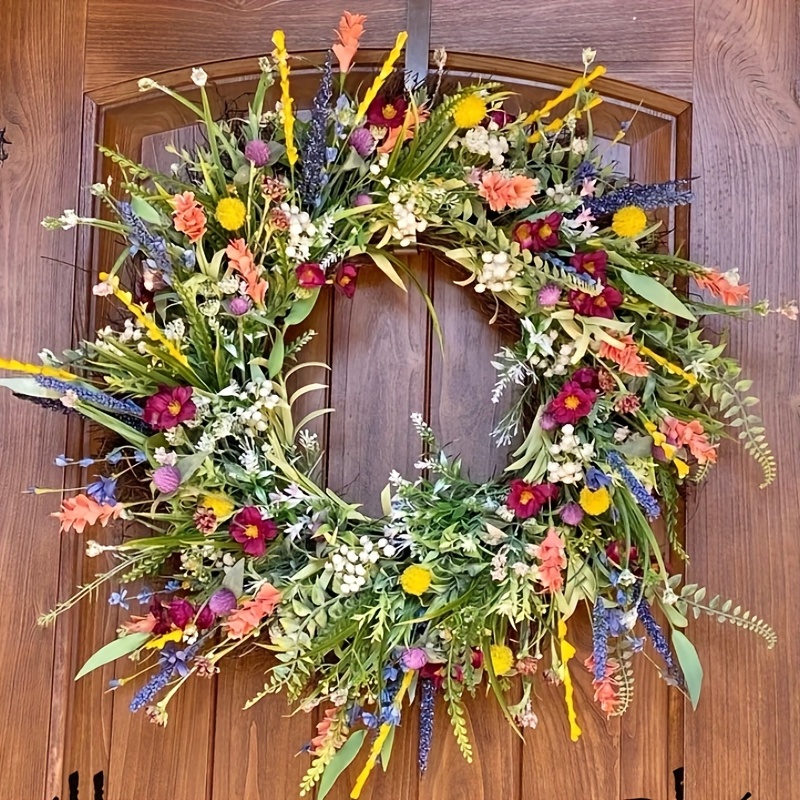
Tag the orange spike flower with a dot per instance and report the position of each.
(724, 286)
(79, 511)
(507, 191)
(241, 260)
(248, 616)
(627, 357)
(351, 27)
(188, 217)
(692, 435)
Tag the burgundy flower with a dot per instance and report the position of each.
(572, 403)
(627, 404)
(205, 619)
(362, 141)
(385, 113)
(586, 377)
(252, 531)
(477, 655)
(168, 407)
(526, 499)
(310, 275)
(345, 280)
(161, 614)
(222, 602)
(181, 612)
(614, 552)
(538, 234)
(593, 264)
(500, 117)
(433, 672)
(601, 305)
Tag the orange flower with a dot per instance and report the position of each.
(551, 555)
(627, 358)
(323, 730)
(188, 217)
(249, 615)
(605, 690)
(79, 511)
(140, 624)
(692, 435)
(408, 129)
(507, 191)
(725, 286)
(241, 260)
(351, 26)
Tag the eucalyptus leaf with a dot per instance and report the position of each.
(112, 651)
(276, 356)
(145, 211)
(340, 762)
(690, 665)
(656, 293)
(234, 579)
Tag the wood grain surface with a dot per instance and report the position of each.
(738, 62)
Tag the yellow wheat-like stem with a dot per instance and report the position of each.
(36, 369)
(567, 652)
(577, 85)
(282, 57)
(386, 71)
(668, 365)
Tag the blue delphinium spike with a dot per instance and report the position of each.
(659, 641)
(426, 708)
(599, 639)
(648, 503)
(648, 196)
(314, 150)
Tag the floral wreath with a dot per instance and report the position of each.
(618, 399)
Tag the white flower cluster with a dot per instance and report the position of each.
(230, 284)
(569, 457)
(483, 142)
(199, 560)
(561, 194)
(174, 330)
(406, 224)
(561, 362)
(303, 233)
(264, 400)
(352, 564)
(497, 273)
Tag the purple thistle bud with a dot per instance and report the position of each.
(222, 602)
(167, 479)
(572, 514)
(427, 705)
(362, 141)
(240, 305)
(549, 295)
(257, 151)
(362, 200)
(599, 639)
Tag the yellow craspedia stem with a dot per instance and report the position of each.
(231, 213)
(469, 111)
(595, 503)
(567, 652)
(287, 114)
(153, 331)
(36, 369)
(668, 365)
(377, 745)
(502, 659)
(386, 71)
(416, 580)
(577, 85)
(629, 222)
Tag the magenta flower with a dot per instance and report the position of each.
(181, 612)
(310, 275)
(593, 264)
(205, 619)
(345, 280)
(167, 479)
(362, 141)
(500, 117)
(571, 514)
(549, 296)
(239, 305)
(362, 200)
(539, 234)
(527, 500)
(252, 531)
(385, 113)
(586, 377)
(601, 305)
(572, 403)
(169, 407)
(414, 658)
(257, 151)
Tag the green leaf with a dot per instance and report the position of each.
(386, 750)
(145, 211)
(385, 266)
(656, 293)
(189, 465)
(234, 579)
(339, 763)
(112, 651)
(276, 356)
(301, 309)
(690, 665)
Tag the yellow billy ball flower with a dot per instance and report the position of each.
(416, 579)
(629, 222)
(502, 659)
(218, 503)
(469, 111)
(231, 213)
(595, 503)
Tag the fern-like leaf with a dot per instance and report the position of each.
(625, 681)
(455, 709)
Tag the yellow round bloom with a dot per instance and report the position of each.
(231, 213)
(629, 222)
(502, 659)
(469, 111)
(218, 503)
(416, 579)
(595, 503)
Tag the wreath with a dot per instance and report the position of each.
(617, 400)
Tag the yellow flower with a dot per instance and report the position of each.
(595, 503)
(218, 503)
(469, 111)
(231, 213)
(629, 222)
(416, 580)
(502, 659)
(159, 642)
(682, 467)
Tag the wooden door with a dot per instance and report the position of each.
(72, 78)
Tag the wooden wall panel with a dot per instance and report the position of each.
(745, 734)
(41, 108)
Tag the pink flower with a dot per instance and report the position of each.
(587, 188)
(539, 234)
(507, 191)
(414, 658)
(552, 558)
(252, 531)
(169, 407)
(572, 403)
(310, 275)
(549, 295)
(527, 500)
(167, 479)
